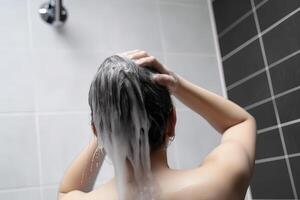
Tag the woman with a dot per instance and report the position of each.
(133, 120)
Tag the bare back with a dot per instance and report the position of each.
(198, 183)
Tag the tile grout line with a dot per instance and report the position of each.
(263, 130)
(240, 19)
(258, 103)
(264, 160)
(290, 122)
(284, 59)
(267, 129)
(274, 25)
(26, 188)
(243, 80)
(294, 155)
(61, 112)
(273, 99)
(217, 48)
(287, 91)
(274, 64)
(234, 24)
(36, 117)
(234, 51)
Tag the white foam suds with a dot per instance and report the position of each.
(124, 133)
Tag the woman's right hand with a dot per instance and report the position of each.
(166, 77)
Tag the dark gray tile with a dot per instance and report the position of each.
(257, 1)
(251, 91)
(295, 165)
(268, 144)
(271, 181)
(286, 75)
(264, 115)
(291, 135)
(228, 11)
(238, 35)
(243, 63)
(283, 39)
(288, 106)
(274, 10)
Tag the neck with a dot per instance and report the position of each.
(158, 163)
(159, 160)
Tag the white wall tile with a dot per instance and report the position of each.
(64, 78)
(137, 25)
(194, 139)
(172, 156)
(200, 70)
(50, 193)
(19, 160)
(16, 81)
(29, 194)
(186, 28)
(62, 139)
(14, 24)
(101, 25)
(88, 26)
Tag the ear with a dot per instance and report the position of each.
(171, 123)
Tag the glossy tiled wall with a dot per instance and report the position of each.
(260, 46)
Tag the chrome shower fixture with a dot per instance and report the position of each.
(53, 12)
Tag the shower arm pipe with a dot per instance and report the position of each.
(58, 5)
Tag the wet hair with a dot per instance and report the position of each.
(110, 90)
(130, 114)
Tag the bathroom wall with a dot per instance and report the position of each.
(45, 75)
(260, 48)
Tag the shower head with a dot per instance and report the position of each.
(53, 12)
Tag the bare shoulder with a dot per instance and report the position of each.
(105, 191)
(210, 182)
(225, 173)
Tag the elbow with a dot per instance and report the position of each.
(248, 118)
(252, 119)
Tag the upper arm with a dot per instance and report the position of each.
(234, 158)
(243, 135)
(73, 195)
